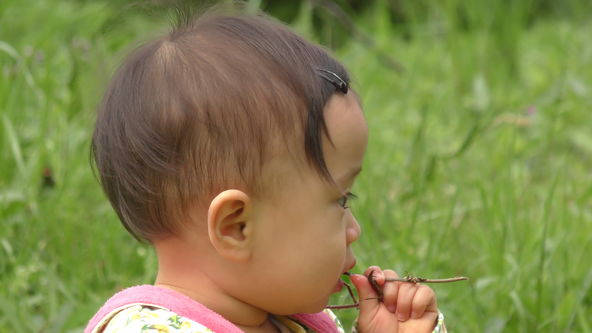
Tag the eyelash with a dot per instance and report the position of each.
(344, 199)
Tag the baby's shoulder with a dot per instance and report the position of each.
(149, 319)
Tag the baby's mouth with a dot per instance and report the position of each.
(349, 267)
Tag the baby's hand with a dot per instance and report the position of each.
(405, 307)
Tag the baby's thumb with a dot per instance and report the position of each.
(369, 299)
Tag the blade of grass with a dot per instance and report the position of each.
(14, 143)
(580, 304)
(547, 206)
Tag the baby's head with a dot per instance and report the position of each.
(236, 136)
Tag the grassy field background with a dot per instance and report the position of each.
(479, 163)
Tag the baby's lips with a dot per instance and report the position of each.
(350, 266)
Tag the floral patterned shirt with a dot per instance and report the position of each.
(151, 319)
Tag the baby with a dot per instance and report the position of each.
(231, 145)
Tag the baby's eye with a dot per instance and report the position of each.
(344, 200)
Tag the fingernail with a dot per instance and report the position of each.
(401, 317)
(392, 308)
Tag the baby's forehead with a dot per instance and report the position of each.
(343, 144)
(348, 136)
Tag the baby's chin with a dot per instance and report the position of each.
(311, 304)
(315, 307)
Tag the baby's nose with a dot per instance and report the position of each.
(353, 230)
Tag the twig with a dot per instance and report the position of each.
(351, 294)
(341, 307)
(415, 279)
(378, 289)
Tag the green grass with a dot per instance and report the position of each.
(479, 163)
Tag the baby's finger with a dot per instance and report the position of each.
(377, 274)
(367, 294)
(404, 300)
(423, 298)
(391, 291)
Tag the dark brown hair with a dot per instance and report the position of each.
(194, 112)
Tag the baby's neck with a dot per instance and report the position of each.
(230, 308)
(179, 273)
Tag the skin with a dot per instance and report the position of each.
(250, 256)
(406, 307)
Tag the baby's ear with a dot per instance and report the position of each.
(229, 225)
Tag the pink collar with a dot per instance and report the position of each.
(189, 308)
